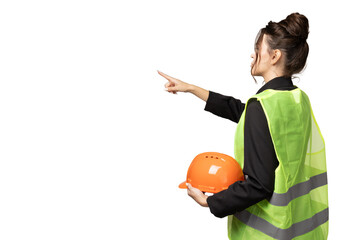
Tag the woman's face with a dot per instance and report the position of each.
(263, 62)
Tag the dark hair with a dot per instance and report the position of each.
(289, 36)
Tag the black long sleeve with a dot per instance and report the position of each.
(260, 159)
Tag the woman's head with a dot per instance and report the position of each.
(281, 48)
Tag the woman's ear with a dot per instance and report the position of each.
(275, 57)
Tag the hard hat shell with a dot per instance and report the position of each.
(213, 172)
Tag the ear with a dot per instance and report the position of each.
(275, 57)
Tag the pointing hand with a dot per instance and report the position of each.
(175, 85)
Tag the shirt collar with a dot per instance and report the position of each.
(277, 83)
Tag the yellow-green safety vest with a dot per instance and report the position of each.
(298, 208)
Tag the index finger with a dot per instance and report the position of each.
(167, 76)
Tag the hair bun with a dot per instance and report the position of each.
(297, 25)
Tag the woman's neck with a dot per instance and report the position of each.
(271, 75)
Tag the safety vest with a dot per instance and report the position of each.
(298, 208)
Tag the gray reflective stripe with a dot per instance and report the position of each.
(295, 230)
(298, 190)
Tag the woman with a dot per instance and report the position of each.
(277, 142)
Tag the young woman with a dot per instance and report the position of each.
(277, 143)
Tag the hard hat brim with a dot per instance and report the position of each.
(183, 185)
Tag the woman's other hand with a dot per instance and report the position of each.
(197, 195)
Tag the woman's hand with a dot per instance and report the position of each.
(197, 195)
(175, 85)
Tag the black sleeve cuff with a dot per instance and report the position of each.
(213, 209)
(224, 106)
(211, 102)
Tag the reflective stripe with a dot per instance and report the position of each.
(295, 230)
(300, 189)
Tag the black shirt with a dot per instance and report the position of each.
(260, 160)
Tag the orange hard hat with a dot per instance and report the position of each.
(213, 172)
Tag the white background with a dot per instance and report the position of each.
(92, 147)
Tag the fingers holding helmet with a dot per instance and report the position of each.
(197, 195)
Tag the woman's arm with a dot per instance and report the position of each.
(220, 105)
(260, 162)
(224, 106)
(199, 92)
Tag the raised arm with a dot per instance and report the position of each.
(220, 105)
